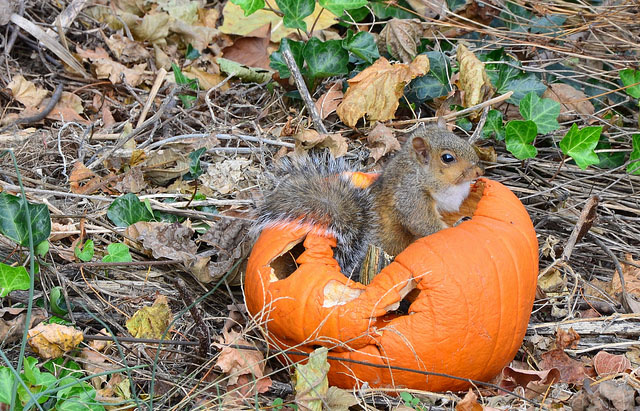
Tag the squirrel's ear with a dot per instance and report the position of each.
(421, 147)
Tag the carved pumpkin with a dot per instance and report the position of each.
(475, 286)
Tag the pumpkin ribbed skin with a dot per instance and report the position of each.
(476, 280)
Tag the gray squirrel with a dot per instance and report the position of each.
(430, 174)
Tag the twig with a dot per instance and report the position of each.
(302, 88)
(478, 131)
(165, 104)
(42, 114)
(221, 137)
(456, 114)
(162, 74)
(629, 305)
(582, 227)
(202, 330)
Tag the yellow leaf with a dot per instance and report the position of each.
(53, 340)
(205, 80)
(311, 381)
(473, 78)
(376, 90)
(26, 92)
(235, 21)
(151, 322)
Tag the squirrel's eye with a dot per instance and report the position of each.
(448, 158)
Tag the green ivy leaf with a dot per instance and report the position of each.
(13, 220)
(494, 127)
(337, 7)
(42, 248)
(434, 84)
(464, 123)
(383, 10)
(86, 254)
(6, 385)
(249, 6)
(547, 24)
(629, 77)
(522, 86)
(295, 11)
(579, 145)
(608, 159)
(325, 58)
(128, 209)
(13, 278)
(191, 53)
(454, 5)
(518, 138)
(362, 44)
(118, 252)
(58, 303)
(277, 62)
(634, 158)
(195, 169)
(542, 111)
(244, 73)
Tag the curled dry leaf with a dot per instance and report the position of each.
(12, 322)
(606, 364)
(375, 91)
(329, 101)
(151, 322)
(381, 141)
(206, 80)
(53, 340)
(127, 50)
(251, 50)
(162, 166)
(307, 139)
(106, 68)
(430, 8)
(631, 276)
(339, 399)
(229, 175)
(469, 402)
(165, 240)
(401, 38)
(571, 371)
(235, 362)
(572, 102)
(534, 382)
(26, 92)
(567, 339)
(474, 81)
(312, 383)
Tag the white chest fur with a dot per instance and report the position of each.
(450, 199)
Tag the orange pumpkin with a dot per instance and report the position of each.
(475, 282)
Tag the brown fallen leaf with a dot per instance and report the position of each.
(12, 322)
(163, 166)
(567, 339)
(340, 400)
(26, 92)
(165, 240)
(127, 50)
(206, 80)
(401, 38)
(606, 364)
(631, 276)
(132, 181)
(96, 363)
(329, 101)
(606, 395)
(571, 371)
(552, 281)
(572, 102)
(235, 362)
(534, 382)
(375, 91)
(469, 402)
(60, 230)
(307, 139)
(381, 141)
(474, 81)
(251, 50)
(429, 8)
(151, 322)
(53, 340)
(68, 108)
(107, 68)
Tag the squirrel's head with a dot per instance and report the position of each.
(450, 159)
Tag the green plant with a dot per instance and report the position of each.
(86, 252)
(181, 79)
(117, 252)
(411, 401)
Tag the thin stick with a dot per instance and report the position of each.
(457, 114)
(627, 302)
(478, 131)
(42, 114)
(302, 88)
(583, 225)
(162, 74)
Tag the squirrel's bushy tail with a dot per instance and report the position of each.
(315, 190)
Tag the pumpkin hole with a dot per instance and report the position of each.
(285, 264)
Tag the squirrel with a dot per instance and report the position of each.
(430, 174)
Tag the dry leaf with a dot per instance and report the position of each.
(12, 322)
(571, 101)
(151, 322)
(376, 90)
(606, 364)
(96, 363)
(228, 175)
(68, 108)
(486, 154)
(473, 77)
(340, 400)
(235, 22)
(567, 339)
(401, 38)
(469, 402)
(60, 231)
(236, 362)
(251, 50)
(571, 371)
(329, 101)
(307, 139)
(206, 80)
(26, 92)
(552, 281)
(165, 240)
(311, 381)
(126, 50)
(534, 382)
(53, 340)
(165, 165)
(631, 276)
(132, 181)
(381, 141)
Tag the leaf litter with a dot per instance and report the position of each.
(199, 231)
